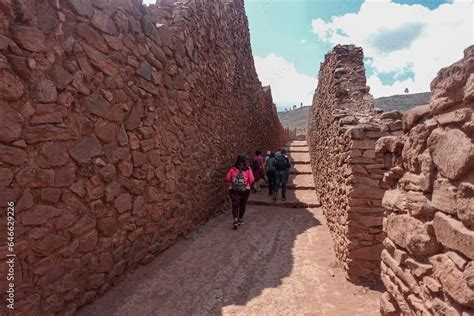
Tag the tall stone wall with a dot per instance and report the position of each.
(342, 129)
(428, 260)
(117, 124)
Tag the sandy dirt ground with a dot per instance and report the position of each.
(279, 262)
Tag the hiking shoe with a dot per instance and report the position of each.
(283, 199)
(235, 225)
(239, 222)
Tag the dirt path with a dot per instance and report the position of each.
(280, 262)
(277, 263)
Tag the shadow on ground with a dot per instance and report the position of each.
(212, 267)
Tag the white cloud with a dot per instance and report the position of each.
(303, 41)
(288, 86)
(398, 37)
(398, 87)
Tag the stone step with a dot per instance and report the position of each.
(299, 182)
(293, 149)
(300, 169)
(296, 146)
(297, 143)
(294, 199)
(299, 158)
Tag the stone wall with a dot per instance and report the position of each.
(117, 123)
(342, 129)
(427, 264)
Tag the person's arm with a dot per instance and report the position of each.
(251, 177)
(228, 177)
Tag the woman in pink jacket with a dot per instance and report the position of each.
(240, 178)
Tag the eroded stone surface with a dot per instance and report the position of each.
(11, 86)
(452, 280)
(112, 138)
(411, 234)
(454, 235)
(429, 203)
(452, 152)
(10, 123)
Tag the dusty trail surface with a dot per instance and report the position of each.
(279, 262)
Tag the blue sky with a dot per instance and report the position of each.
(284, 27)
(405, 41)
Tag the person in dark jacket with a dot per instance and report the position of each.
(270, 170)
(282, 173)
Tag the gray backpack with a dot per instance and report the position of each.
(270, 164)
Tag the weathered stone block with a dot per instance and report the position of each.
(44, 90)
(411, 234)
(363, 144)
(35, 177)
(452, 151)
(11, 86)
(395, 200)
(454, 235)
(413, 116)
(103, 22)
(10, 121)
(30, 38)
(86, 149)
(83, 7)
(452, 280)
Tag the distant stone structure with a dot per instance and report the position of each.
(342, 130)
(428, 261)
(117, 124)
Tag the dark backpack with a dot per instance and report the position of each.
(255, 165)
(282, 163)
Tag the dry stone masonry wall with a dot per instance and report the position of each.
(428, 260)
(343, 127)
(117, 124)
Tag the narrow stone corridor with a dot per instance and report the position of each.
(119, 120)
(300, 185)
(280, 262)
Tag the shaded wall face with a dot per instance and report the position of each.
(427, 264)
(342, 131)
(116, 133)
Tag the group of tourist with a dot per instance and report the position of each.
(274, 168)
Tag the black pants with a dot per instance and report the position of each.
(239, 202)
(271, 181)
(281, 177)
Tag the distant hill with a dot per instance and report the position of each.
(297, 118)
(402, 102)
